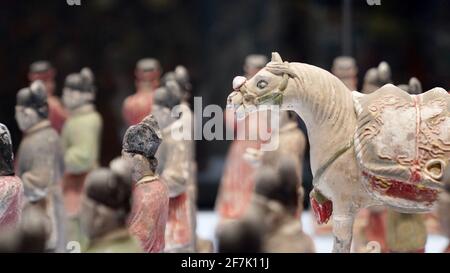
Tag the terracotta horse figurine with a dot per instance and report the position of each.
(386, 148)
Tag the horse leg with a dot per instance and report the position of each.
(343, 232)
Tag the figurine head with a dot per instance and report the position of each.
(6, 152)
(181, 76)
(35, 229)
(148, 73)
(254, 63)
(139, 147)
(106, 203)
(240, 236)
(345, 69)
(31, 105)
(280, 185)
(79, 89)
(376, 77)
(43, 71)
(30, 235)
(169, 95)
(414, 87)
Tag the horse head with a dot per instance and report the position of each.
(270, 86)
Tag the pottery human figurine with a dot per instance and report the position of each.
(376, 77)
(147, 80)
(40, 160)
(278, 203)
(30, 235)
(237, 183)
(80, 136)
(105, 209)
(353, 156)
(243, 235)
(45, 72)
(150, 207)
(174, 168)
(11, 188)
(345, 68)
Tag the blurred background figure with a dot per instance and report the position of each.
(240, 236)
(40, 161)
(150, 205)
(174, 169)
(45, 72)
(30, 236)
(414, 87)
(237, 182)
(137, 106)
(80, 136)
(345, 68)
(277, 205)
(376, 77)
(11, 187)
(105, 210)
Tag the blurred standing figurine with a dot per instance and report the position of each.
(444, 207)
(345, 69)
(136, 107)
(106, 205)
(40, 160)
(45, 72)
(11, 189)
(376, 77)
(237, 183)
(150, 205)
(80, 137)
(174, 167)
(278, 204)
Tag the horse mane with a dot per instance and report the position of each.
(324, 94)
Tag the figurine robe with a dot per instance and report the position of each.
(81, 143)
(149, 213)
(40, 165)
(175, 166)
(11, 192)
(237, 184)
(56, 113)
(136, 107)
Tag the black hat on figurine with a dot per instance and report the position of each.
(169, 95)
(104, 187)
(34, 97)
(6, 152)
(83, 81)
(143, 138)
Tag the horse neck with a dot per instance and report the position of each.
(326, 106)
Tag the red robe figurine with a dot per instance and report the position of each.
(136, 107)
(43, 70)
(150, 205)
(237, 183)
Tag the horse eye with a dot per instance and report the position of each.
(262, 84)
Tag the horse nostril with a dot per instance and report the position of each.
(238, 82)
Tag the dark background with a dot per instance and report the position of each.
(211, 38)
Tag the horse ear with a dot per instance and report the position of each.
(276, 57)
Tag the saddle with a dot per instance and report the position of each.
(402, 145)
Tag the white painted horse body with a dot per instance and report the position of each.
(327, 107)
